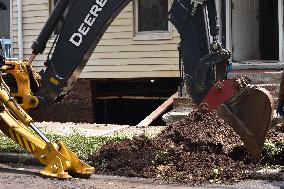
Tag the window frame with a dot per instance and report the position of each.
(150, 35)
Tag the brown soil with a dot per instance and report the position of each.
(76, 107)
(197, 150)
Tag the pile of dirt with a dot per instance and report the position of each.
(276, 134)
(195, 150)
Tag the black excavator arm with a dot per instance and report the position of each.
(204, 63)
(82, 29)
(87, 21)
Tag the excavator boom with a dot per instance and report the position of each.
(16, 124)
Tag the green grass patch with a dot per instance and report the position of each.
(78, 143)
(8, 145)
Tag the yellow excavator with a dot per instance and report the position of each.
(248, 109)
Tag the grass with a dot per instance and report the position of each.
(81, 145)
(7, 145)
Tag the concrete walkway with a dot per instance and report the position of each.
(96, 129)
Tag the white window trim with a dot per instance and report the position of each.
(150, 35)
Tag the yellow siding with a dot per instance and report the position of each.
(118, 55)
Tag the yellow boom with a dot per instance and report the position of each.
(17, 125)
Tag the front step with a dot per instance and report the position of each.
(258, 76)
(182, 107)
(268, 79)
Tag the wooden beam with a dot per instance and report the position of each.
(150, 118)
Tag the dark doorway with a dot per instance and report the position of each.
(130, 101)
(269, 30)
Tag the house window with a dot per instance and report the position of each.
(5, 19)
(3, 6)
(151, 19)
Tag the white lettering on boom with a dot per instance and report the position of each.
(77, 37)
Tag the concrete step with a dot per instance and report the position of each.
(265, 75)
(181, 111)
(265, 78)
(183, 106)
(258, 76)
(258, 65)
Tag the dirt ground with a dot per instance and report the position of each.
(19, 177)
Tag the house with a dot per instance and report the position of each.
(134, 53)
(137, 58)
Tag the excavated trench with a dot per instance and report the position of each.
(199, 149)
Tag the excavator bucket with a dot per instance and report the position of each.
(246, 108)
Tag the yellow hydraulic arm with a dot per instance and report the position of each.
(18, 125)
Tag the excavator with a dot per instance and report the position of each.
(245, 107)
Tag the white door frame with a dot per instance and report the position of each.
(229, 44)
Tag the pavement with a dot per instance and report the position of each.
(27, 177)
